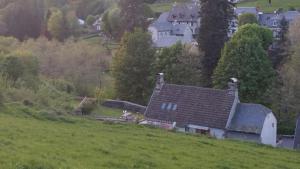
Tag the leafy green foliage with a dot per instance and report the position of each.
(112, 22)
(246, 60)
(23, 19)
(90, 20)
(128, 15)
(264, 35)
(132, 67)
(213, 33)
(179, 65)
(247, 18)
(56, 25)
(289, 97)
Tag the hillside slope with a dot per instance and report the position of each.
(31, 141)
(276, 4)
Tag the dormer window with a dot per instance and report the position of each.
(169, 106)
(163, 106)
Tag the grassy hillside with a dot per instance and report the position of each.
(31, 140)
(166, 6)
(264, 4)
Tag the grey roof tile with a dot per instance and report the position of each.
(184, 12)
(249, 118)
(194, 105)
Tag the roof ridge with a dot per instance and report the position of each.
(205, 88)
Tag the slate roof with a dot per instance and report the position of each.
(184, 12)
(297, 135)
(191, 105)
(249, 118)
(242, 10)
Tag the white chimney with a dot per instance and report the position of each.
(159, 81)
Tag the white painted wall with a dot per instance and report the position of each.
(188, 35)
(217, 133)
(154, 33)
(269, 131)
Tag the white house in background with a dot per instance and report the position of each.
(273, 21)
(97, 24)
(81, 22)
(178, 25)
(214, 112)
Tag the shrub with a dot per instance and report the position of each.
(88, 108)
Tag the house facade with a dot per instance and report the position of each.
(181, 24)
(214, 112)
(273, 21)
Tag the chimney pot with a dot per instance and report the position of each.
(233, 84)
(160, 81)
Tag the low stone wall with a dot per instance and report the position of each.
(132, 107)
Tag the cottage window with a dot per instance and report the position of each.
(163, 106)
(174, 107)
(169, 106)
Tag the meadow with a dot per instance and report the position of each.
(32, 140)
(276, 4)
(262, 4)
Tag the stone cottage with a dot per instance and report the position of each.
(214, 112)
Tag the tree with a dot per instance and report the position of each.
(90, 20)
(24, 18)
(245, 59)
(132, 67)
(290, 73)
(247, 18)
(112, 23)
(179, 65)
(13, 68)
(132, 14)
(264, 35)
(57, 25)
(213, 33)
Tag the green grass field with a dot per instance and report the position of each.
(163, 7)
(31, 141)
(276, 4)
(262, 4)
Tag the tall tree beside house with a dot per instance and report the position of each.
(179, 65)
(247, 18)
(24, 18)
(215, 18)
(290, 74)
(57, 26)
(132, 67)
(132, 14)
(245, 58)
